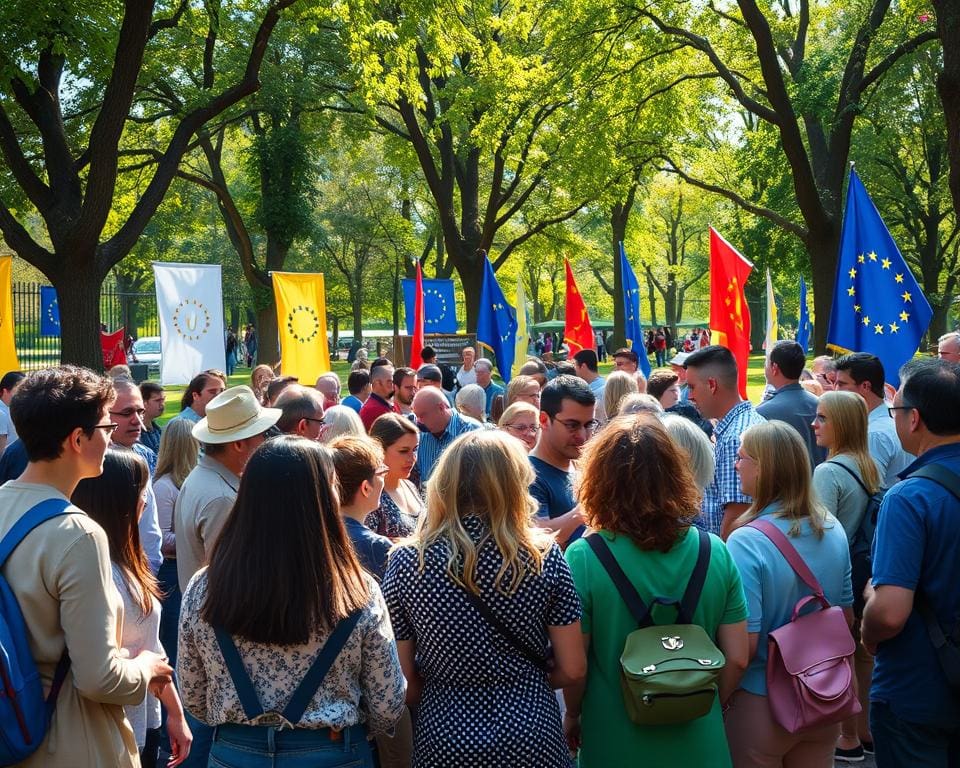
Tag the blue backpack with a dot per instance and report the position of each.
(24, 714)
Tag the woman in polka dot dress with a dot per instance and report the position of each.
(481, 701)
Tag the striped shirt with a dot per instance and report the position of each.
(725, 488)
(431, 446)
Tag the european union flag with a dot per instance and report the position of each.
(877, 305)
(633, 330)
(439, 306)
(49, 311)
(497, 323)
(803, 326)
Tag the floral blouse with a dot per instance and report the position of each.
(364, 685)
(389, 520)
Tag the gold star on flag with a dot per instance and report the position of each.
(866, 319)
(860, 258)
(872, 256)
(856, 307)
(899, 277)
(904, 316)
(878, 328)
(906, 296)
(885, 263)
(851, 291)
(894, 327)
(853, 273)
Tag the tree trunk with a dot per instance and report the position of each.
(652, 298)
(78, 294)
(823, 250)
(268, 336)
(948, 86)
(671, 316)
(470, 268)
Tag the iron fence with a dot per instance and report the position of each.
(135, 311)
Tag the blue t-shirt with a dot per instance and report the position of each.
(552, 489)
(916, 546)
(773, 589)
(371, 547)
(352, 401)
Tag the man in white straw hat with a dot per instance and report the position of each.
(231, 431)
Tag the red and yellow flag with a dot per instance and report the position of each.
(577, 333)
(729, 314)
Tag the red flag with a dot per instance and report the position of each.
(577, 333)
(729, 313)
(111, 344)
(416, 345)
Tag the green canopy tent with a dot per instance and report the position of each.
(554, 326)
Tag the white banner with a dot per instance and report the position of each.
(190, 307)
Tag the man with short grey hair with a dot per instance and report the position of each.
(381, 392)
(302, 412)
(948, 347)
(484, 369)
(472, 402)
(328, 385)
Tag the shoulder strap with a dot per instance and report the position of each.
(249, 700)
(941, 476)
(312, 681)
(688, 604)
(852, 474)
(37, 514)
(494, 621)
(301, 697)
(638, 609)
(787, 549)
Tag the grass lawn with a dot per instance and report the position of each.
(755, 382)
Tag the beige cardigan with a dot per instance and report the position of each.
(60, 575)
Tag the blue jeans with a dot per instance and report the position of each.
(900, 743)
(245, 746)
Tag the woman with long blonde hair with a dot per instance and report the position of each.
(474, 598)
(619, 385)
(844, 483)
(774, 468)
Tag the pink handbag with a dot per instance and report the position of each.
(810, 658)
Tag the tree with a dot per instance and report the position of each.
(488, 109)
(812, 70)
(63, 163)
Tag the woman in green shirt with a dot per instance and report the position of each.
(639, 494)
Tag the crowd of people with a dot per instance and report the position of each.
(439, 570)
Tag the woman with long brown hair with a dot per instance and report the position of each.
(474, 598)
(115, 500)
(639, 495)
(283, 587)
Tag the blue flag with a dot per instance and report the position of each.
(632, 329)
(877, 305)
(803, 326)
(439, 306)
(497, 323)
(49, 311)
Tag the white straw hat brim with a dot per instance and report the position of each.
(261, 422)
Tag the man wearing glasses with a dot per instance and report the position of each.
(566, 423)
(127, 412)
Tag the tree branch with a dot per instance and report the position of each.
(518, 241)
(168, 23)
(891, 58)
(38, 193)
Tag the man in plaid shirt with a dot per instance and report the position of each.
(712, 380)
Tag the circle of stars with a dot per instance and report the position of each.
(190, 310)
(312, 321)
(54, 318)
(441, 299)
(863, 262)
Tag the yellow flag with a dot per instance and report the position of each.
(8, 347)
(302, 322)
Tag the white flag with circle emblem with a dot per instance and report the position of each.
(190, 307)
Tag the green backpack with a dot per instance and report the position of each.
(668, 672)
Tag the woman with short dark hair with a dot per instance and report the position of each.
(283, 585)
(640, 497)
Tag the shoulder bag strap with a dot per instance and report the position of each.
(787, 549)
(628, 592)
(312, 681)
(494, 621)
(37, 514)
(249, 700)
(852, 474)
(688, 604)
(941, 476)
